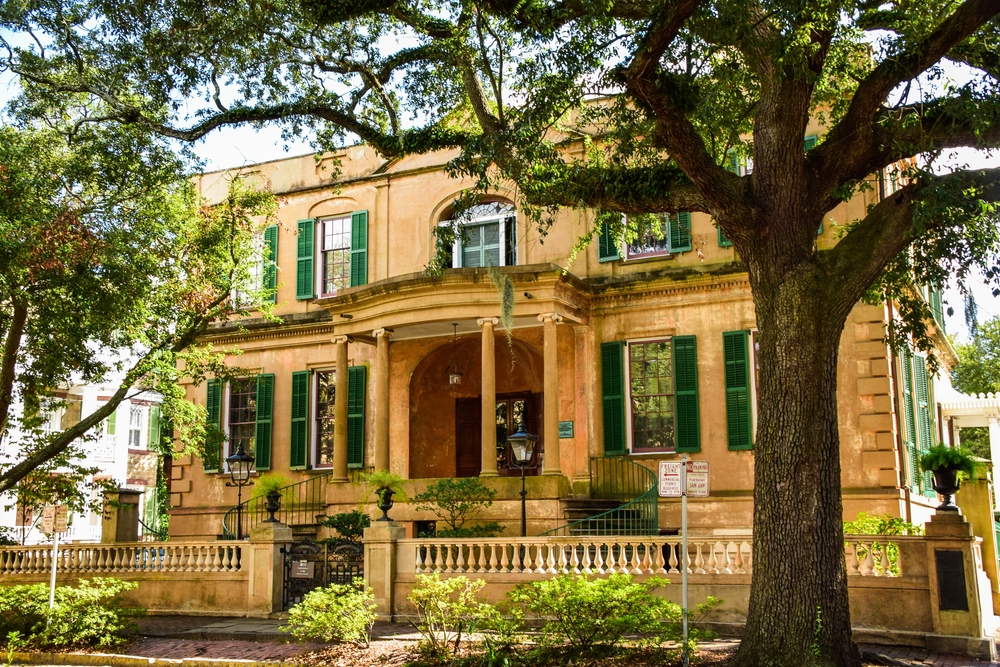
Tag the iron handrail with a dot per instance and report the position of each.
(617, 478)
(301, 504)
(157, 535)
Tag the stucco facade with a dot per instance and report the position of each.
(398, 325)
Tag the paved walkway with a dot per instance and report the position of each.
(207, 638)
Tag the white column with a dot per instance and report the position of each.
(995, 456)
(550, 463)
(489, 404)
(382, 399)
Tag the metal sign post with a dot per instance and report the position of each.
(54, 521)
(684, 558)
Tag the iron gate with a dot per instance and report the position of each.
(308, 565)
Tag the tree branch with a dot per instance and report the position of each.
(7, 366)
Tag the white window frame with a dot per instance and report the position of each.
(628, 394)
(318, 251)
(142, 413)
(256, 277)
(501, 217)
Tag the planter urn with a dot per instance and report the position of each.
(946, 483)
(385, 503)
(272, 505)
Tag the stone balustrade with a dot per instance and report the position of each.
(105, 559)
(592, 555)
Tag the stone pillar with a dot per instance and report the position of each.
(265, 560)
(961, 600)
(120, 520)
(380, 562)
(489, 392)
(550, 463)
(340, 412)
(382, 399)
(995, 456)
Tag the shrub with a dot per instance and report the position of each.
(23, 608)
(338, 612)
(590, 613)
(490, 529)
(942, 457)
(445, 610)
(349, 525)
(90, 615)
(456, 501)
(267, 483)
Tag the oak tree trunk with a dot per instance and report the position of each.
(798, 613)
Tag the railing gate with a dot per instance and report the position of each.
(308, 565)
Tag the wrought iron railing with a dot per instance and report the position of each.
(301, 505)
(150, 534)
(632, 484)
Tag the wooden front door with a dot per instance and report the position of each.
(510, 408)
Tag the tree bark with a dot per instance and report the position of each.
(9, 362)
(798, 613)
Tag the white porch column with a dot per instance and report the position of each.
(340, 412)
(489, 404)
(382, 399)
(550, 463)
(995, 456)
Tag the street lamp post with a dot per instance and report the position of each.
(240, 467)
(522, 446)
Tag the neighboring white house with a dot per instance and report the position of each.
(121, 452)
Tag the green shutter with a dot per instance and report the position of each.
(736, 360)
(304, 254)
(357, 381)
(270, 281)
(810, 142)
(359, 248)
(723, 241)
(213, 439)
(732, 162)
(607, 249)
(265, 407)
(686, 394)
(909, 421)
(153, 440)
(111, 421)
(299, 448)
(820, 230)
(679, 228)
(934, 300)
(925, 427)
(613, 398)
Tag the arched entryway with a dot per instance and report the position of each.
(445, 426)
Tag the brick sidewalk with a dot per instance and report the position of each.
(227, 649)
(905, 656)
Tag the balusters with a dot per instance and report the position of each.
(673, 559)
(869, 567)
(886, 565)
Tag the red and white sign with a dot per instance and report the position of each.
(54, 519)
(697, 479)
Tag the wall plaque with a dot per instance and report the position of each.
(565, 429)
(951, 580)
(303, 569)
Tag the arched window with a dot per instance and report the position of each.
(485, 235)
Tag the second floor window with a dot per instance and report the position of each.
(663, 234)
(135, 427)
(335, 254)
(486, 235)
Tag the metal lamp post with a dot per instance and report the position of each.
(240, 467)
(522, 446)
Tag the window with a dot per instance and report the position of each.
(242, 416)
(335, 255)
(337, 248)
(662, 234)
(263, 272)
(326, 391)
(135, 427)
(239, 414)
(651, 396)
(486, 235)
(657, 393)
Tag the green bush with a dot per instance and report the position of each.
(89, 615)
(349, 525)
(446, 609)
(942, 457)
(598, 613)
(339, 612)
(456, 501)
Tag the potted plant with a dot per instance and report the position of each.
(385, 485)
(269, 487)
(948, 465)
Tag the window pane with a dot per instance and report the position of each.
(326, 383)
(242, 415)
(652, 387)
(651, 237)
(336, 255)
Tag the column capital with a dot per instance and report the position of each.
(550, 317)
(378, 333)
(340, 340)
(492, 321)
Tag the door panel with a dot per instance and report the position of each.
(468, 440)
